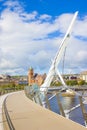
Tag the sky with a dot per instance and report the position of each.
(31, 32)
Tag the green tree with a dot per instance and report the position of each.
(56, 84)
(71, 82)
(81, 82)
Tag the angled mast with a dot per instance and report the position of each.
(53, 69)
(65, 41)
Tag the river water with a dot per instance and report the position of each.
(68, 103)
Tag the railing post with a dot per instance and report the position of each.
(47, 102)
(60, 105)
(83, 110)
(40, 102)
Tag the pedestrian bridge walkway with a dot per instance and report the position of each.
(27, 115)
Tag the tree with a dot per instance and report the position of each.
(81, 82)
(56, 84)
(71, 82)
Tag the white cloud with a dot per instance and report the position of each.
(26, 40)
(45, 17)
(27, 17)
(14, 5)
(63, 21)
(6, 63)
(81, 28)
(82, 55)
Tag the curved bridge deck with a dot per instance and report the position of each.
(26, 115)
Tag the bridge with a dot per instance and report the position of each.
(25, 114)
(21, 113)
(75, 88)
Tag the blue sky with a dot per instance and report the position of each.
(52, 7)
(56, 7)
(32, 30)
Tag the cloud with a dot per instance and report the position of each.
(63, 21)
(32, 39)
(82, 55)
(13, 5)
(45, 17)
(81, 26)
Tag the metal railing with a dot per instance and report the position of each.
(84, 112)
(36, 97)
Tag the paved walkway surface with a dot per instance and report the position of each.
(26, 115)
(2, 98)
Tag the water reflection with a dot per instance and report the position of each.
(68, 103)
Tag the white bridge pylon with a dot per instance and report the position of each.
(54, 67)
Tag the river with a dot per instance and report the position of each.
(68, 103)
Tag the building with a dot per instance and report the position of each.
(83, 76)
(35, 78)
(31, 78)
(5, 79)
(70, 76)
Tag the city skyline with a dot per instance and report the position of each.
(32, 30)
